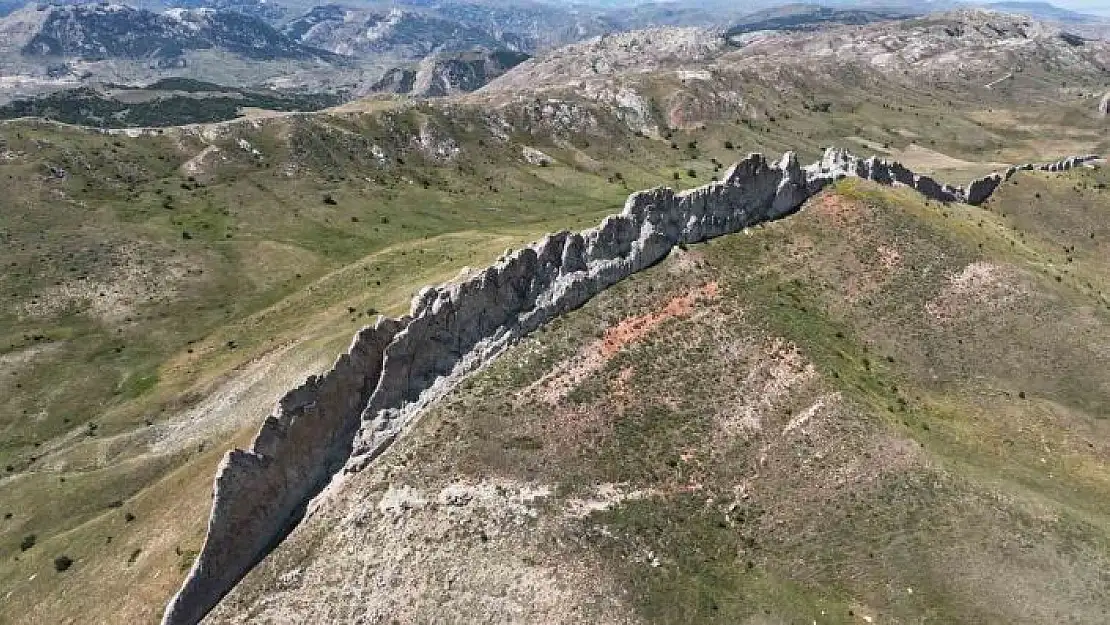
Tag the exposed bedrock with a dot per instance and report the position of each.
(259, 494)
(982, 188)
(1104, 105)
(346, 417)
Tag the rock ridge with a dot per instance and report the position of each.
(348, 416)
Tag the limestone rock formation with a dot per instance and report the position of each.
(396, 368)
(982, 188)
(260, 493)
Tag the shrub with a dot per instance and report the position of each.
(27, 542)
(62, 563)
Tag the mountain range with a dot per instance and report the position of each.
(360, 48)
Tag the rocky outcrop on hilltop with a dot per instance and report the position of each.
(261, 492)
(982, 188)
(396, 368)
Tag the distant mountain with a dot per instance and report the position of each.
(272, 12)
(709, 13)
(115, 31)
(442, 75)
(530, 26)
(1043, 11)
(432, 50)
(805, 17)
(395, 33)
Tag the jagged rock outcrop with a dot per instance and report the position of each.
(396, 368)
(259, 494)
(1104, 105)
(982, 188)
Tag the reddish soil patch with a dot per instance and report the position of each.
(555, 386)
(831, 206)
(635, 328)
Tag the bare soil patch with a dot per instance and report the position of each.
(555, 386)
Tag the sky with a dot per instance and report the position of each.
(1090, 6)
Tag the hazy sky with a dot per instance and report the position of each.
(1091, 6)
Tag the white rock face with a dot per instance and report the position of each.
(259, 493)
(1104, 105)
(346, 418)
(532, 156)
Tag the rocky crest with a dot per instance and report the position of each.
(394, 369)
(981, 189)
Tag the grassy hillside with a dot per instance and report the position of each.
(878, 410)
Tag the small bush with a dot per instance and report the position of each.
(329, 200)
(62, 563)
(27, 542)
